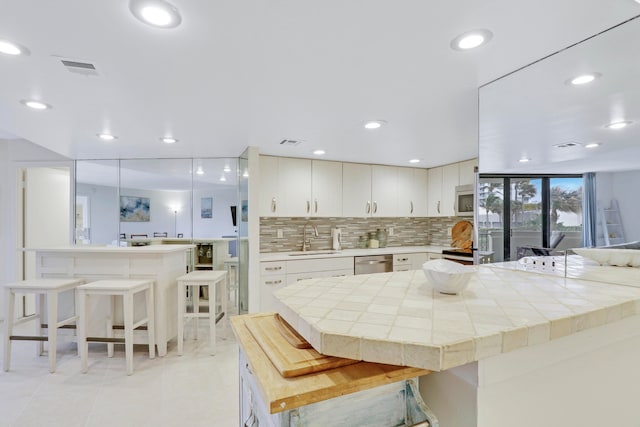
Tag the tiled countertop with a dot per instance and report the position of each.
(290, 256)
(397, 318)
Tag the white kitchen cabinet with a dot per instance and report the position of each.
(412, 192)
(269, 187)
(356, 190)
(442, 185)
(294, 181)
(466, 172)
(384, 191)
(406, 262)
(326, 188)
(272, 277)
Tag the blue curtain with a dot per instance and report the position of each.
(589, 210)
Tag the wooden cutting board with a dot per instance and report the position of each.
(462, 235)
(287, 359)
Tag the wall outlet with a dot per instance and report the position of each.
(449, 231)
(279, 233)
(390, 231)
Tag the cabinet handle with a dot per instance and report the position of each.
(411, 211)
(273, 204)
(273, 282)
(340, 275)
(375, 206)
(368, 207)
(273, 268)
(315, 210)
(403, 259)
(438, 206)
(303, 278)
(308, 206)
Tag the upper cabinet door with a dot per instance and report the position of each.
(467, 174)
(326, 188)
(384, 191)
(295, 187)
(412, 192)
(356, 190)
(420, 188)
(270, 198)
(435, 192)
(450, 180)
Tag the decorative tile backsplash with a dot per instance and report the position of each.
(406, 232)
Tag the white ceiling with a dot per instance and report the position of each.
(239, 73)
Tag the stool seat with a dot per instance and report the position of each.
(127, 289)
(49, 288)
(195, 279)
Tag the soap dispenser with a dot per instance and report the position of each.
(337, 239)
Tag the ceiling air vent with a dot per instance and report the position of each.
(290, 142)
(567, 144)
(79, 67)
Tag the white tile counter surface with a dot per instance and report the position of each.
(290, 256)
(397, 318)
(149, 249)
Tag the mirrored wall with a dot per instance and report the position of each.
(140, 202)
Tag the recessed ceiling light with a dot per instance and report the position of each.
(199, 171)
(168, 140)
(524, 160)
(414, 161)
(245, 174)
(618, 125)
(583, 79)
(593, 145)
(374, 124)
(227, 169)
(318, 152)
(35, 105)
(158, 13)
(107, 136)
(222, 178)
(10, 48)
(471, 39)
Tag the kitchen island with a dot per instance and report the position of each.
(515, 348)
(160, 263)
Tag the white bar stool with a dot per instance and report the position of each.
(50, 288)
(231, 264)
(195, 279)
(112, 288)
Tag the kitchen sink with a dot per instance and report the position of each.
(306, 253)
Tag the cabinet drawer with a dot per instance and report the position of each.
(292, 278)
(319, 264)
(401, 259)
(275, 267)
(268, 285)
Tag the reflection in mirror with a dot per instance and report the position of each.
(96, 202)
(538, 122)
(243, 235)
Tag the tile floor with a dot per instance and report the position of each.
(196, 389)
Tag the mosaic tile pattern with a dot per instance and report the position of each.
(398, 318)
(407, 232)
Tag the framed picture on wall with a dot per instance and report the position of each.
(245, 211)
(135, 209)
(206, 207)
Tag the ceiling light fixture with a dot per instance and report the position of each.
(319, 152)
(374, 124)
(227, 169)
(414, 161)
(157, 13)
(471, 39)
(593, 145)
(199, 171)
(10, 48)
(583, 79)
(35, 105)
(524, 160)
(245, 174)
(107, 136)
(618, 125)
(222, 178)
(168, 140)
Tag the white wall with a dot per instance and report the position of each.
(6, 228)
(161, 205)
(103, 212)
(221, 224)
(622, 186)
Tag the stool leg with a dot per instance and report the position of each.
(128, 331)
(39, 320)
(196, 306)
(83, 324)
(112, 312)
(52, 330)
(151, 319)
(10, 300)
(181, 303)
(212, 316)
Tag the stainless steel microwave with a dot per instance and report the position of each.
(464, 202)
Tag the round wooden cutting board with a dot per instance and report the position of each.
(462, 235)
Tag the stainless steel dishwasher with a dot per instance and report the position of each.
(373, 264)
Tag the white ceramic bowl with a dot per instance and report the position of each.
(617, 257)
(447, 277)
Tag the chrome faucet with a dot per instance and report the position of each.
(305, 245)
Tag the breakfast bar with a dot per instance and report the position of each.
(514, 348)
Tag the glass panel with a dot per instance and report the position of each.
(526, 216)
(243, 235)
(565, 213)
(96, 202)
(490, 219)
